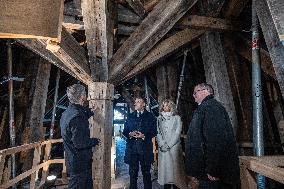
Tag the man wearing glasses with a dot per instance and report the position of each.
(211, 150)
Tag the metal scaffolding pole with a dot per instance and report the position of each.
(257, 94)
(54, 104)
(148, 108)
(181, 78)
(11, 108)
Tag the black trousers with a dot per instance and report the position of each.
(134, 169)
(82, 180)
(170, 186)
(207, 184)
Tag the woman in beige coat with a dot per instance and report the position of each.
(171, 172)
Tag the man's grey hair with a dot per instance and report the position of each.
(206, 86)
(75, 92)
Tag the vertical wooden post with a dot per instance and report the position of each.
(2, 164)
(35, 112)
(247, 177)
(7, 171)
(275, 48)
(100, 96)
(161, 74)
(167, 81)
(64, 170)
(2, 123)
(216, 72)
(99, 18)
(36, 161)
(241, 89)
(45, 158)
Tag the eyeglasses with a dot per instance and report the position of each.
(194, 93)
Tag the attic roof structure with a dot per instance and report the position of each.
(122, 49)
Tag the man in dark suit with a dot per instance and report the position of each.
(211, 150)
(139, 129)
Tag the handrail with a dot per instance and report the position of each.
(268, 166)
(26, 147)
(37, 162)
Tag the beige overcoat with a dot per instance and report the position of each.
(170, 163)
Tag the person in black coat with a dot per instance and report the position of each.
(211, 150)
(76, 139)
(139, 129)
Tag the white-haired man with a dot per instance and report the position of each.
(76, 139)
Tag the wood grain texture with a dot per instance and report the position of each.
(276, 8)
(31, 18)
(275, 47)
(216, 72)
(164, 49)
(148, 33)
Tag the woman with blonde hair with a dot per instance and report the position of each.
(171, 172)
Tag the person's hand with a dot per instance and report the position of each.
(133, 134)
(212, 178)
(96, 142)
(139, 135)
(165, 148)
(193, 182)
(99, 142)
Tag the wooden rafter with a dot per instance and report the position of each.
(209, 23)
(274, 46)
(68, 52)
(276, 8)
(233, 8)
(163, 50)
(125, 15)
(150, 5)
(99, 25)
(150, 31)
(39, 48)
(138, 7)
(175, 42)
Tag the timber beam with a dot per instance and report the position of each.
(206, 23)
(149, 5)
(68, 52)
(39, 48)
(127, 16)
(216, 72)
(138, 8)
(245, 51)
(233, 8)
(164, 49)
(276, 8)
(271, 36)
(163, 18)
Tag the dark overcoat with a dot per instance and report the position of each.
(211, 145)
(76, 139)
(146, 124)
